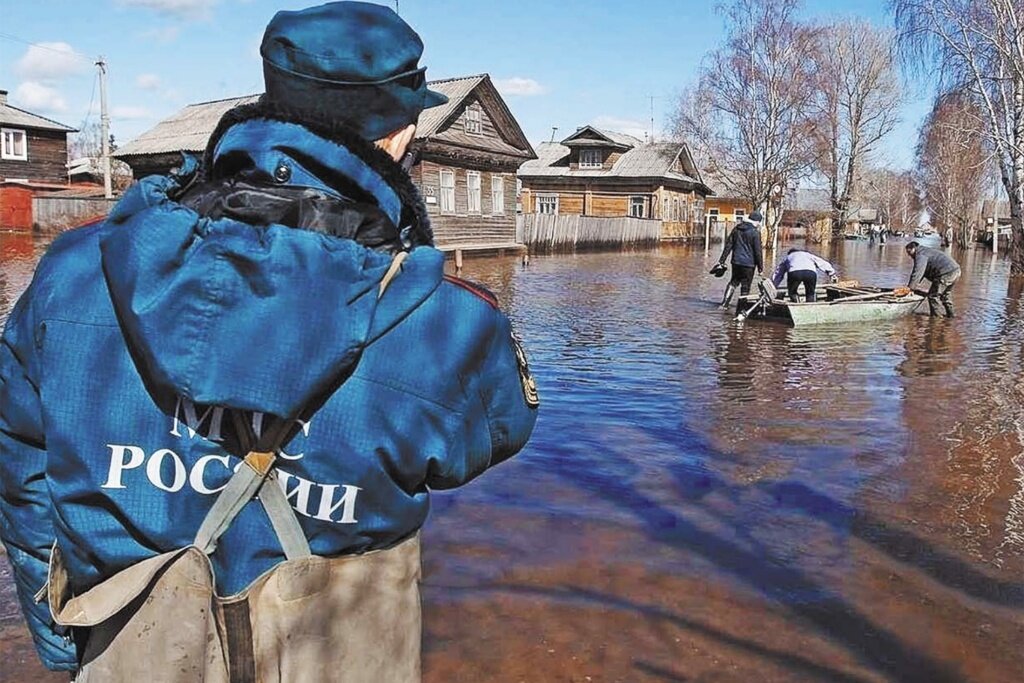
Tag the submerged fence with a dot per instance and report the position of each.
(66, 212)
(545, 232)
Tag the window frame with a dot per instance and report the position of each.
(11, 156)
(592, 153)
(640, 200)
(469, 193)
(447, 191)
(497, 198)
(546, 199)
(474, 120)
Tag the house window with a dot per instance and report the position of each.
(15, 145)
(473, 186)
(474, 122)
(638, 206)
(739, 214)
(447, 190)
(714, 214)
(497, 195)
(664, 209)
(684, 211)
(590, 158)
(547, 203)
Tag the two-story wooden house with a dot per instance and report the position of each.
(467, 151)
(595, 172)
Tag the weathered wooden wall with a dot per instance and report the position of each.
(47, 158)
(67, 212)
(543, 232)
(460, 226)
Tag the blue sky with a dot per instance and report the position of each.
(558, 63)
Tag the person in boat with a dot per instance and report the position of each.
(246, 381)
(940, 270)
(801, 267)
(744, 244)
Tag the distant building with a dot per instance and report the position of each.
(602, 173)
(467, 151)
(33, 149)
(33, 160)
(725, 205)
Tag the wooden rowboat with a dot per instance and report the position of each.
(845, 302)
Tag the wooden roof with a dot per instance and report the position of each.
(189, 129)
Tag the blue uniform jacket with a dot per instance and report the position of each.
(121, 366)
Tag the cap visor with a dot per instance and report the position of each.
(433, 99)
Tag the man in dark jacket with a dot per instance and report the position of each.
(744, 243)
(278, 318)
(938, 268)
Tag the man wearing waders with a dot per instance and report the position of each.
(940, 270)
(223, 408)
(744, 243)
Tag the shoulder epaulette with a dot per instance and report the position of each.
(473, 288)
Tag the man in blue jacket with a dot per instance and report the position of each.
(287, 286)
(744, 243)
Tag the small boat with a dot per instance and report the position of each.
(854, 236)
(843, 302)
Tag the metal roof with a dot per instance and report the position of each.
(654, 160)
(12, 116)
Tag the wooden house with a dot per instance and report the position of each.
(725, 205)
(33, 149)
(467, 151)
(33, 160)
(602, 173)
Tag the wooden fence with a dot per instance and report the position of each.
(66, 212)
(545, 232)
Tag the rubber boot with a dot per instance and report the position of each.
(729, 291)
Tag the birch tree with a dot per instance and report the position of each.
(977, 46)
(857, 103)
(952, 165)
(747, 115)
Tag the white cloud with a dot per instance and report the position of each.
(147, 81)
(181, 9)
(517, 85)
(163, 34)
(617, 124)
(129, 113)
(50, 61)
(39, 98)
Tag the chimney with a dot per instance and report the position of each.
(3, 97)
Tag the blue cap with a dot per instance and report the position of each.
(350, 61)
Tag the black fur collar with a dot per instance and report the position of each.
(414, 211)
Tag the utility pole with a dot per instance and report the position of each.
(652, 116)
(104, 127)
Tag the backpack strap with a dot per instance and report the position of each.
(256, 477)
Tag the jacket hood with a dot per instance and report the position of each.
(261, 318)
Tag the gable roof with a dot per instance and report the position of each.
(189, 129)
(12, 116)
(589, 135)
(652, 160)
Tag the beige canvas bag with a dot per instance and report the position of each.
(354, 619)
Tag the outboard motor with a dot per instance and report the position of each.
(768, 294)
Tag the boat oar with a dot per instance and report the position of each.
(899, 293)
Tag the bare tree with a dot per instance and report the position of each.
(857, 105)
(895, 194)
(977, 46)
(951, 165)
(747, 116)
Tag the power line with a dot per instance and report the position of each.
(71, 53)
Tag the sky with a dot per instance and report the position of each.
(558, 63)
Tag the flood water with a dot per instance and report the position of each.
(708, 501)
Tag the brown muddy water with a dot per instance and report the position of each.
(707, 501)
